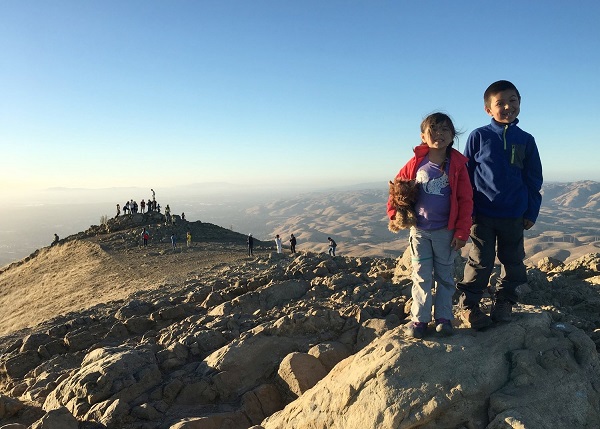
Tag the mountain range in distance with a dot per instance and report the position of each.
(355, 216)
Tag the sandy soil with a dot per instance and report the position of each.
(80, 274)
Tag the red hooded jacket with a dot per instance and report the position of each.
(461, 191)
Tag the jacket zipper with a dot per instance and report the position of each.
(512, 154)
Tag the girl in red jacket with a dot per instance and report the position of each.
(443, 209)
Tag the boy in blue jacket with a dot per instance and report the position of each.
(506, 174)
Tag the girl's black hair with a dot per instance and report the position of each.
(437, 118)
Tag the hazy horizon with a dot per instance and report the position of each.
(28, 225)
(31, 219)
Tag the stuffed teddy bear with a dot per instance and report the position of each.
(403, 194)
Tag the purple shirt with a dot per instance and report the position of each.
(433, 204)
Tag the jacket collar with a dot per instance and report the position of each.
(421, 150)
(499, 127)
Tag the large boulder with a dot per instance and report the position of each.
(530, 373)
(106, 376)
(60, 418)
(9, 406)
(301, 371)
(244, 364)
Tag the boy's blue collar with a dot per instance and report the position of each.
(500, 126)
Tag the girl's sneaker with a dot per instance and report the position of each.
(416, 329)
(444, 327)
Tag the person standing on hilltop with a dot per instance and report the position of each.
(143, 206)
(56, 240)
(443, 217)
(118, 210)
(506, 173)
(250, 242)
(292, 244)
(278, 243)
(332, 246)
(167, 215)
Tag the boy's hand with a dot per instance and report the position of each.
(527, 224)
(457, 244)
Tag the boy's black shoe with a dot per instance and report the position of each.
(476, 318)
(502, 311)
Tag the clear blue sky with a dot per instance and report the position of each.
(164, 93)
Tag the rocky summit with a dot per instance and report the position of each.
(277, 341)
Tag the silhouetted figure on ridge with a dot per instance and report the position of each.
(250, 245)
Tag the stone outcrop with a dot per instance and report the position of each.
(307, 342)
(532, 373)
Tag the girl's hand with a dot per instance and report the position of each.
(457, 244)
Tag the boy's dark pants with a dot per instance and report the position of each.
(486, 232)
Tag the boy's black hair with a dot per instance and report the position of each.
(496, 87)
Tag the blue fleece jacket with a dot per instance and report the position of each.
(505, 171)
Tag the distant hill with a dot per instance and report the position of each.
(567, 227)
(580, 195)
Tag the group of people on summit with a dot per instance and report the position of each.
(132, 207)
(490, 193)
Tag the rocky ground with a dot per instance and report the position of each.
(99, 332)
